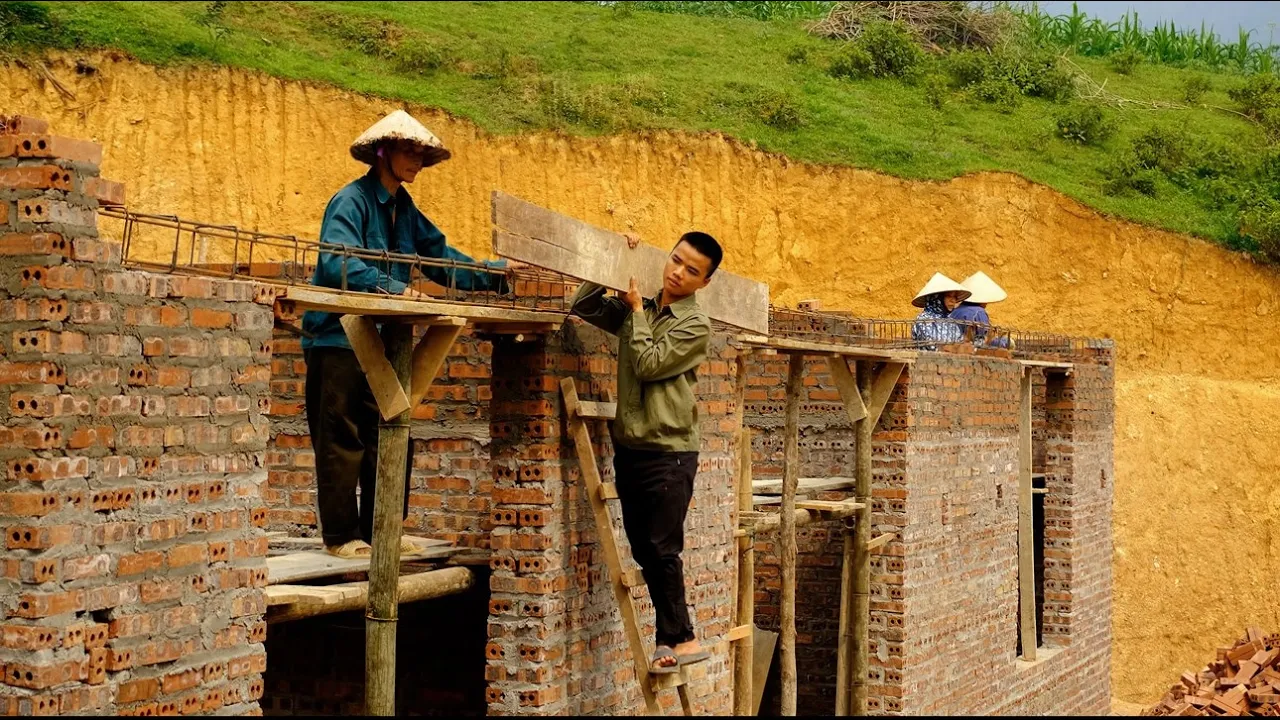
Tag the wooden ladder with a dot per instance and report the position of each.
(621, 581)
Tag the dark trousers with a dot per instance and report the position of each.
(342, 416)
(655, 489)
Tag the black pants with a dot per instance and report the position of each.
(342, 416)
(655, 489)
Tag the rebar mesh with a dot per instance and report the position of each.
(182, 246)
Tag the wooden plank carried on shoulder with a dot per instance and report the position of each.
(532, 234)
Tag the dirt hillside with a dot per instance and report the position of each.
(1196, 546)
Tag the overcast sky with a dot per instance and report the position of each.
(1225, 17)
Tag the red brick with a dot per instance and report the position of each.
(179, 681)
(32, 244)
(203, 318)
(99, 436)
(56, 146)
(39, 605)
(28, 637)
(33, 437)
(43, 676)
(137, 690)
(106, 192)
(36, 177)
(186, 555)
(138, 563)
(22, 125)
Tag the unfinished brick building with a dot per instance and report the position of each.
(153, 435)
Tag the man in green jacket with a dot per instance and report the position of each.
(661, 343)
(375, 213)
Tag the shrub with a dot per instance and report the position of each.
(1125, 60)
(419, 58)
(563, 103)
(1086, 125)
(1257, 95)
(999, 92)
(772, 107)
(1125, 174)
(798, 55)
(851, 62)
(893, 49)
(884, 49)
(935, 91)
(1194, 88)
(1161, 148)
(1259, 221)
(968, 67)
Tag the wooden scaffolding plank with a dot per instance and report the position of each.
(528, 233)
(861, 352)
(763, 644)
(416, 310)
(312, 564)
(608, 543)
(848, 387)
(805, 486)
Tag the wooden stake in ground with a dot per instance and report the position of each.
(845, 648)
(790, 480)
(388, 504)
(1026, 527)
(862, 536)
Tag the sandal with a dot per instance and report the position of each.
(662, 653)
(409, 545)
(691, 658)
(350, 550)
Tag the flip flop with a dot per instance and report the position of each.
(663, 652)
(350, 550)
(692, 658)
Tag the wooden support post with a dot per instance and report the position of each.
(742, 663)
(388, 524)
(845, 647)
(1026, 527)
(375, 360)
(861, 556)
(790, 480)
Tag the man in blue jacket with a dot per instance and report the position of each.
(375, 213)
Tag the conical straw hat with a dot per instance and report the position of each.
(984, 289)
(399, 125)
(939, 283)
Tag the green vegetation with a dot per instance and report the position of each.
(1190, 149)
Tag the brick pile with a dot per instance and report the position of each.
(1243, 680)
(132, 431)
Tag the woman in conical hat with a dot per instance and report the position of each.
(973, 311)
(937, 299)
(374, 213)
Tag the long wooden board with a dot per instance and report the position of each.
(528, 233)
(312, 564)
(863, 352)
(762, 647)
(806, 486)
(415, 310)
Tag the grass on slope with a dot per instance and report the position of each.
(585, 69)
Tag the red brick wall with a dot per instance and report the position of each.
(958, 588)
(132, 431)
(944, 596)
(451, 484)
(556, 642)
